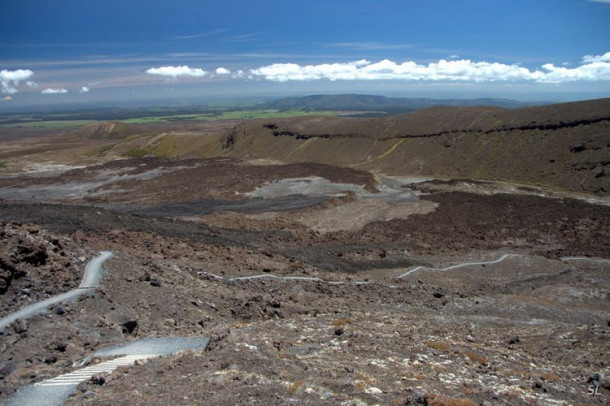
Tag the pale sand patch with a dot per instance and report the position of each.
(353, 216)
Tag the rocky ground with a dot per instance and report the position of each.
(531, 329)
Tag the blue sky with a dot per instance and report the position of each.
(58, 51)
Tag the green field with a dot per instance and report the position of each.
(50, 123)
(228, 115)
(59, 120)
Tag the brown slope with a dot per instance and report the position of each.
(108, 130)
(565, 146)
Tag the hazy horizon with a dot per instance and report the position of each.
(145, 52)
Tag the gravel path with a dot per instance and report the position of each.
(90, 281)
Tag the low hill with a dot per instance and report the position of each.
(380, 104)
(563, 146)
(108, 130)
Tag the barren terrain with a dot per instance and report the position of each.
(317, 282)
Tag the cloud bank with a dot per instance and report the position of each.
(84, 89)
(10, 79)
(593, 68)
(54, 91)
(174, 71)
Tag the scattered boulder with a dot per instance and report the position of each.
(594, 380)
(73, 350)
(127, 321)
(20, 326)
(8, 272)
(98, 379)
(33, 255)
(513, 340)
(6, 368)
(417, 397)
(216, 339)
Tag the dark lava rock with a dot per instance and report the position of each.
(128, 321)
(216, 339)
(98, 379)
(417, 397)
(6, 368)
(130, 327)
(8, 272)
(20, 326)
(594, 379)
(32, 255)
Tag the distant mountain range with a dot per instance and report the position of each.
(383, 105)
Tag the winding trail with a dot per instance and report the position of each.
(55, 391)
(90, 282)
(502, 258)
(330, 282)
(286, 278)
(585, 259)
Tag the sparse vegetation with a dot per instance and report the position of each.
(136, 152)
(102, 150)
(150, 117)
(475, 357)
(438, 345)
(442, 400)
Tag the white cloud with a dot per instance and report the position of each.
(7, 98)
(84, 89)
(240, 74)
(223, 71)
(283, 72)
(10, 79)
(597, 58)
(54, 91)
(175, 71)
(594, 68)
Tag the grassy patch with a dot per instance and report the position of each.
(151, 116)
(101, 151)
(442, 400)
(438, 345)
(226, 115)
(136, 152)
(51, 124)
(475, 357)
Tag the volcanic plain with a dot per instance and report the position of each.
(450, 256)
